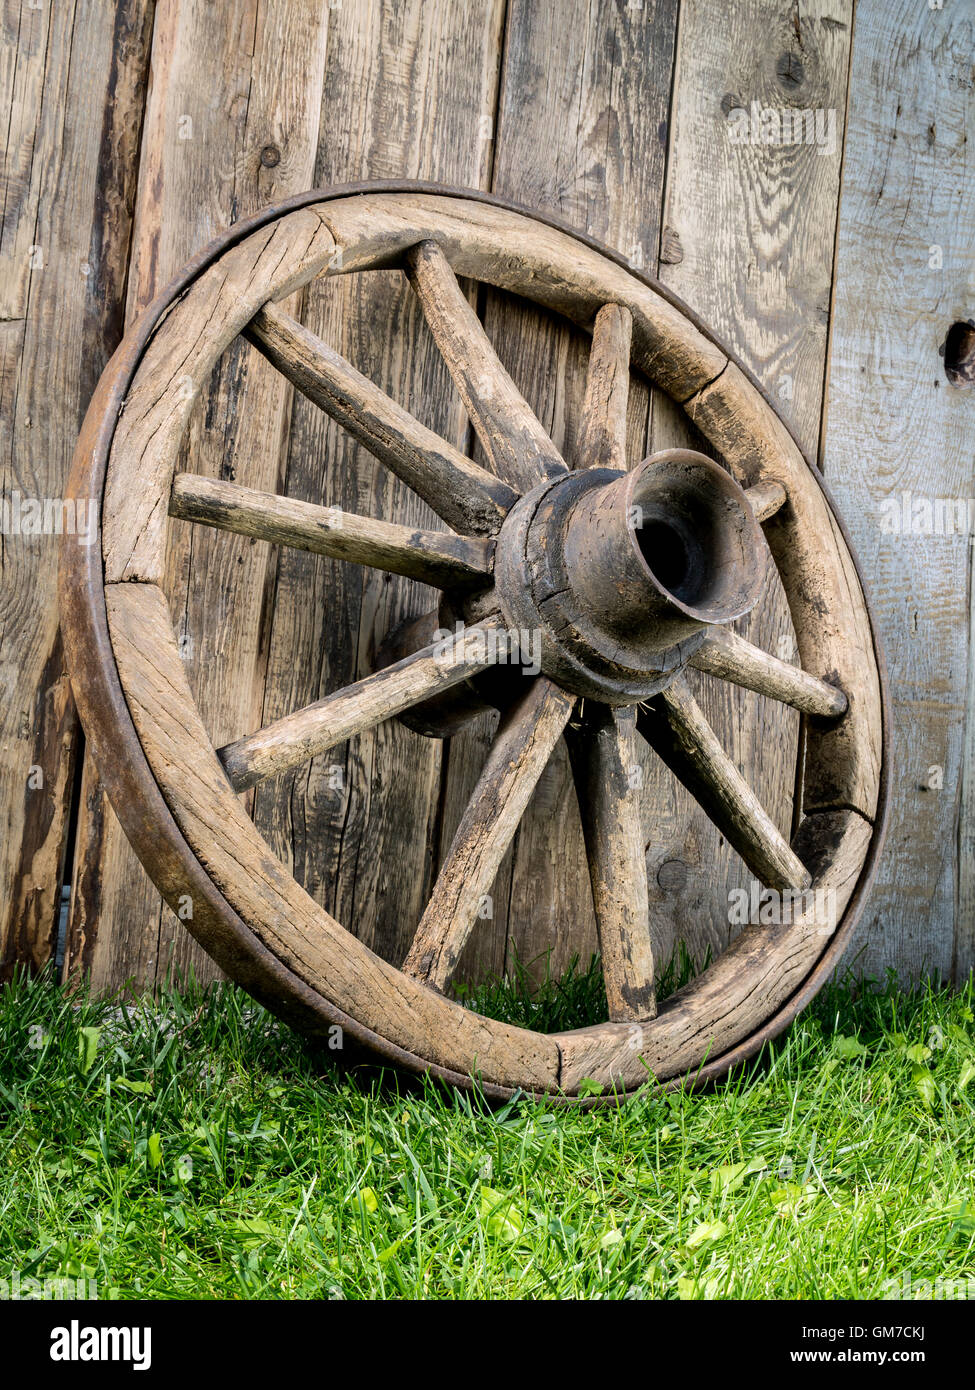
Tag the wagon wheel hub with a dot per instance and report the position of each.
(621, 574)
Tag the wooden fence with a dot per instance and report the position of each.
(803, 176)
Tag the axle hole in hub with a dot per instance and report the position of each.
(665, 551)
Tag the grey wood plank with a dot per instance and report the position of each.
(231, 124)
(72, 88)
(748, 243)
(897, 433)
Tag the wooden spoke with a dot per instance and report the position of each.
(294, 739)
(602, 436)
(519, 449)
(729, 656)
(603, 755)
(526, 736)
(766, 499)
(676, 728)
(434, 557)
(466, 497)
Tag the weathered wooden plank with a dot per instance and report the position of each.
(585, 92)
(408, 89)
(231, 124)
(748, 243)
(71, 96)
(897, 436)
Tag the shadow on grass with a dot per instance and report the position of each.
(220, 1022)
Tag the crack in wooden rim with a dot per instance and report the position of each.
(131, 783)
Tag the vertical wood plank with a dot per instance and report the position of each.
(748, 242)
(584, 102)
(231, 124)
(897, 437)
(409, 92)
(72, 81)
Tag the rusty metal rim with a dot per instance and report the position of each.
(131, 784)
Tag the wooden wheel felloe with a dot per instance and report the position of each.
(625, 578)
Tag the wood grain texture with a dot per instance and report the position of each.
(754, 220)
(527, 734)
(463, 495)
(729, 657)
(603, 754)
(602, 434)
(748, 243)
(71, 97)
(296, 738)
(765, 499)
(604, 758)
(517, 447)
(567, 276)
(676, 728)
(174, 371)
(585, 92)
(231, 124)
(407, 89)
(895, 431)
(842, 757)
(438, 558)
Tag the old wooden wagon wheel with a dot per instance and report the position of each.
(629, 577)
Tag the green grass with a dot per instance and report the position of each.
(198, 1149)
